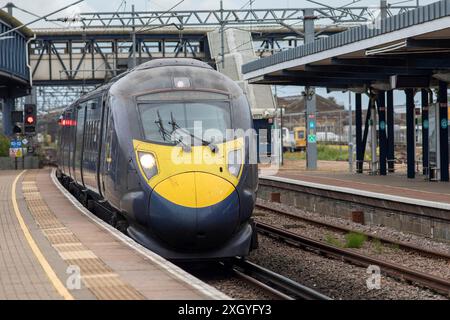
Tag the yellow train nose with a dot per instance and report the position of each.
(194, 189)
(194, 210)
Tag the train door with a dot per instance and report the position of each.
(104, 148)
(70, 135)
(109, 154)
(91, 144)
(79, 143)
(62, 154)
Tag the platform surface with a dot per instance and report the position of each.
(53, 248)
(394, 185)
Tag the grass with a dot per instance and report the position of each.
(355, 240)
(4, 146)
(378, 246)
(325, 152)
(333, 241)
(394, 246)
(352, 240)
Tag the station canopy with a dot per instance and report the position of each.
(409, 50)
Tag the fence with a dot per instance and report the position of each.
(333, 126)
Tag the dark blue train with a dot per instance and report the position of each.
(131, 151)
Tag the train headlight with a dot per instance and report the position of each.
(235, 162)
(148, 164)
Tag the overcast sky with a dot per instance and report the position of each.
(42, 7)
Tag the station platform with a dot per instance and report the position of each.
(414, 206)
(51, 247)
(395, 186)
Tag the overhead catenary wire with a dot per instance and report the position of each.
(32, 14)
(155, 18)
(40, 18)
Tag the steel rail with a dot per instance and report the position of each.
(400, 244)
(260, 275)
(437, 284)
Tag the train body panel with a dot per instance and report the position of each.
(182, 200)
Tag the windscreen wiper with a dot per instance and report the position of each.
(164, 133)
(214, 148)
(168, 136)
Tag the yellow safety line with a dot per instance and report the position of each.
(60, 288)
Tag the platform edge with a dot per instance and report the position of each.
(370, 194)
(174, 270)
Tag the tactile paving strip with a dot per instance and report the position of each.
(101, 280)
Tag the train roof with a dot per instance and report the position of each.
(155, 63)
(172, 62)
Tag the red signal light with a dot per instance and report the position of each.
(67, 122)
(30, 120)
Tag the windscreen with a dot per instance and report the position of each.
(167, 117)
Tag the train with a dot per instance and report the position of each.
(126, 152)
(300, 138)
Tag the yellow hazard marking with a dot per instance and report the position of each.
(195, 189)
(60, 288)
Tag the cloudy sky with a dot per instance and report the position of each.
(43, 7)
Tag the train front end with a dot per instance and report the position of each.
(194, 160)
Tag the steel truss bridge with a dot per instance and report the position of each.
(227, 17)
(93, 47)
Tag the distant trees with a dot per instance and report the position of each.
(4, 146)
(332, 99)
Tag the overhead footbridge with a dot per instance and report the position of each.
(408, 52)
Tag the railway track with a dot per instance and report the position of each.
(274, 283)
(437, 284)
(399, 244)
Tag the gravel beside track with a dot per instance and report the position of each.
(387, 252)
(387, 232)
(337, 279)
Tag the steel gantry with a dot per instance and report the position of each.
(99, 45)
(226, 16)
(58, 97)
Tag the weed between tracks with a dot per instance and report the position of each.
(355, 240)
(352, 240)
(378, 246)
(330, 239)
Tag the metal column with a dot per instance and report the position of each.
(310, 98)
(425, 125)
(443, 129)
(32, 97)
(373, 136)
(8, 107)
(390, 130)
(381, 103)
(350, 133)
(133, 40)
(410, 133)
(222, 35)
(359, 143)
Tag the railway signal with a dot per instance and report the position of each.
(29, 119)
